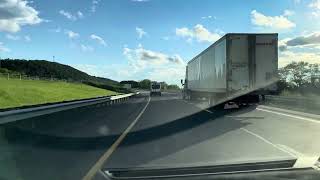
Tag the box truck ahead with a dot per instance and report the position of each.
(155, 88)
(237, 68)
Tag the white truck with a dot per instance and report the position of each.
(155, 88)
(238, 68)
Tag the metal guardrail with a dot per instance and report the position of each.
(25, 113)
(298, 103)
(294, 99)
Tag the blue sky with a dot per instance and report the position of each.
(137, 39)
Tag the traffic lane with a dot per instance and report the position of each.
(296, 135)
(174, 133)
(94, 121)
(66, 150)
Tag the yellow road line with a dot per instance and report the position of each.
(98, 165)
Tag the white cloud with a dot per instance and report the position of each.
(315, 4)
(275, 22)
(312, 38)
(288, 12)
(306, 40)
(287, 57)
(71, 34)
(70, 16)
(296, 1)
(171, 75)
(99, 39)
(86, 48)
(140, 59)
(17, 38)
(17, 13)
(208, 17)
(142, 64)
(12, 37)
(315, 14)
(80, 14)
(198, 32)
(140, 32)
(94, 4)
(27, 38)
(3, 48)
(146, 57)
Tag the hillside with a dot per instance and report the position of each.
(49, 69)
(16, 93)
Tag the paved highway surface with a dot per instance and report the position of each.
(150, 132)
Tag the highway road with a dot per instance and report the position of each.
(151, 132)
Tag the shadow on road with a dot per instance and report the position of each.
(15, 134)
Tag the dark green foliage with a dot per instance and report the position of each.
(145, 84)
(173, 87)
(47, 69)
(110, 87)
(300, 77)
(134, 84)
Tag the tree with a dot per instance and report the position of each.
(296, 72)
(164, 85)
(145, 84)
(134, 84)
(314, 73)
(173, 87)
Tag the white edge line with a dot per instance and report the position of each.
(97, 166)
(288, 115)
(268, 142)
(208, 111)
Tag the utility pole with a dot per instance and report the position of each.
(53, 58)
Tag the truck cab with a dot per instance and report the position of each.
(155, 88)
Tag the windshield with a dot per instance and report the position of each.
(90, 88)
(155, 86)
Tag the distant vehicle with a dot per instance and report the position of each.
(238, 68)
(155, 88)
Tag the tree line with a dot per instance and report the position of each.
(47, 69)
(302, 77)
(145, 84)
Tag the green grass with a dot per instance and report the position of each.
(15, 92)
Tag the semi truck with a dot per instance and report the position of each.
(155, 88)
(238, 68)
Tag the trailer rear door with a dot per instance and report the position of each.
(238, 63)
(266, 59)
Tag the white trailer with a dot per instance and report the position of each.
(155, 88)
(236, 68)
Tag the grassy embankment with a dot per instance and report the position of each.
(15, 92)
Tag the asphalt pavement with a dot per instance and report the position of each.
(151, 132)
